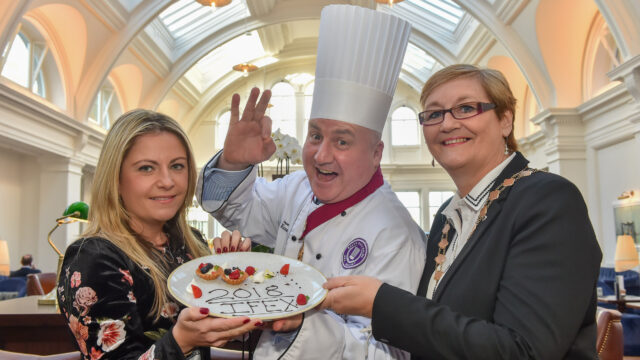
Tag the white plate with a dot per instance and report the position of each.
(272, 299)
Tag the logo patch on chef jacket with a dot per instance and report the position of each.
(355, 253)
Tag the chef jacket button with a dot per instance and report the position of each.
(318, 256)
(343, 213)
(294, 238)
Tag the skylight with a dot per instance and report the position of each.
(448, 13)
(187, 16)
(417, 60)
(242, 49)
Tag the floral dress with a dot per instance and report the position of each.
(107, 300)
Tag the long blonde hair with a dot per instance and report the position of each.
(492, 81)
(108, 217)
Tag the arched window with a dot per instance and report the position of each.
(601, 56)
(106, 108)
(283, 112)
(308, 101)
(23, 50)
(404, 127)
(222, 126)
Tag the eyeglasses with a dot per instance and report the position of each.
(462, 111)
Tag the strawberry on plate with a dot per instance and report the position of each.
(302, 299)
(285, 269)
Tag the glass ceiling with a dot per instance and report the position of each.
(418, 62)
(187, 16)
(243, 49)
(447, 13)
(187, 20)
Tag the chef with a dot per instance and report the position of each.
(338, 215)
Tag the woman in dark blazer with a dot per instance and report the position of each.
(512, 260)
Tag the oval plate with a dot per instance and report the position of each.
(274, 298)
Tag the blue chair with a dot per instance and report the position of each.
(608, 277)
(13, 287)
(631, 333)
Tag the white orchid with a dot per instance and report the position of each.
(288, 149)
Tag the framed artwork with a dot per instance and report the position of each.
(626, 215)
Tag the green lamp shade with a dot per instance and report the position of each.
(78, 209)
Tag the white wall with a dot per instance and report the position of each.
(18, 207)
(618, 171)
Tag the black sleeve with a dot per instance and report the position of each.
(96, 295)
(546, 287)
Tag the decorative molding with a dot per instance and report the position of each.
(187, 91)
(629, 73)
(478, 45)
(598, 106)
(532, 142)
(157, 36)
(564, 131)
(149, 54)
(509, 10)
(109, 12)
(33, 127)
(260, 7)
(273, 37)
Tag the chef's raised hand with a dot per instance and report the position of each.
(231, 242)
(248, 140)
(351, 295)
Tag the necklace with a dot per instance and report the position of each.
(444, 237)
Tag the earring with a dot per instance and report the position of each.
(506, 147)
(433, 162)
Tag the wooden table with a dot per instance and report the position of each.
(26, 326)
(629, 301)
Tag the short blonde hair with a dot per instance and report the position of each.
(108, 218)
(492, 81)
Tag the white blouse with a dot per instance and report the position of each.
(462, 213)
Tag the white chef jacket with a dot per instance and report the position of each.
(274, 214)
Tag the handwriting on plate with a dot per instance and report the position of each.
(251, 301)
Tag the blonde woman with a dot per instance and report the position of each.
(112, 287)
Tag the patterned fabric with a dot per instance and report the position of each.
(107, 300)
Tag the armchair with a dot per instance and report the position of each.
(609, 341)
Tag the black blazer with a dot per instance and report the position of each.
(523, 287)
(23, 272)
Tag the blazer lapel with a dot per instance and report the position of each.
(518, 163)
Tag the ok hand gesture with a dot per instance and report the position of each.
(248, 140)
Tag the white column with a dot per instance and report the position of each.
(565, 149)
(60, 185)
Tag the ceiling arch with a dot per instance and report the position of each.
(534, 71)
(101, 66)
(309, 12)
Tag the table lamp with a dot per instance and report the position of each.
(626, 254)
(5, 262)
(76, 212)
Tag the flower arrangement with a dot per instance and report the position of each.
(288, 151)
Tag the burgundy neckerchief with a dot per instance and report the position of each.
(328, 211)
